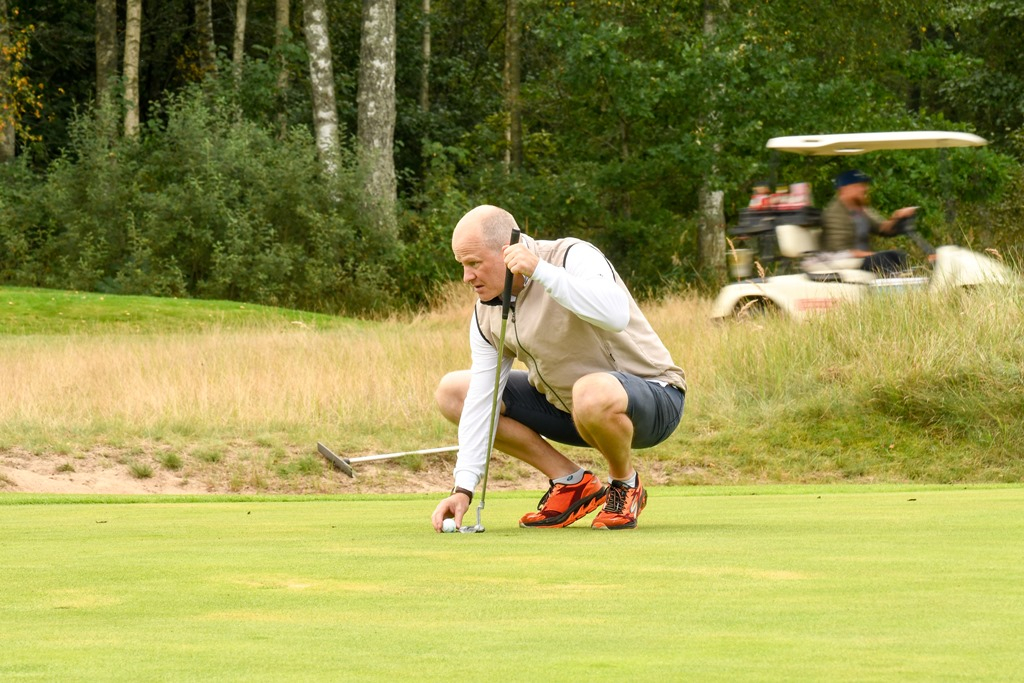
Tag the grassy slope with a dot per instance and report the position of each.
(57, 312)
(911, 388)
(920, 390)
(210, 395)
(784, 583)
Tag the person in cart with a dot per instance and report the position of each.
(849, 221)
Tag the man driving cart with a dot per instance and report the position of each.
(848, 223)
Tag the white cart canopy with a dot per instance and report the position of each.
(859, 143)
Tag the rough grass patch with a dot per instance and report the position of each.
(170, 461)
(208, 455)
(140, 470)
(306, 465)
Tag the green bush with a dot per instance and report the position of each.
(426, 227)
(203, 204)
(21, 224)
(998, 223)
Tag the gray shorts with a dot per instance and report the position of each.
(655, 410)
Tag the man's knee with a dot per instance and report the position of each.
(451, 394)
(597, 396)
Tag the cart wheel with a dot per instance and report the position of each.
(754, 307)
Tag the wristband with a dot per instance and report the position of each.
(466, 492)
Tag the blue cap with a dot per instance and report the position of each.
(850, 177)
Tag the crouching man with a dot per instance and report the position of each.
(597, 374)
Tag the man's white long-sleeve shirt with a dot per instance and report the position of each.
(586, 287)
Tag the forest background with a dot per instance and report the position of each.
(316, 153)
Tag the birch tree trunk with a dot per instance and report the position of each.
(132, 38)
(282, 27)
(711, 226)
(106, 47)
(321, 77)
(425, 71)
(204, 34)
(238, 49)
(711, 245)
(512, 77)
(376, 111)
(7, 106)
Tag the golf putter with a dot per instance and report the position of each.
(506, 300)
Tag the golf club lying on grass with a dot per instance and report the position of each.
(506, 300)
(345, 464)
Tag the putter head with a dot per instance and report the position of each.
(477, 528)
(339, 462)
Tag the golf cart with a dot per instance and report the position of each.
(789, 235)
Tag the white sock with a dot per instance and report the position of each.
(574, 478)
(631, 482)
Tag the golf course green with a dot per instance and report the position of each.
(837, 583)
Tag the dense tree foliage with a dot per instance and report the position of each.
(629, 110)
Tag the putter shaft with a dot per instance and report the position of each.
(506, 305)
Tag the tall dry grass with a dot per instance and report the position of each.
(896, 388)
(364, 385)
(908, 386)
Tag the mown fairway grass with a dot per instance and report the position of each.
(25, 311)
(794, 583)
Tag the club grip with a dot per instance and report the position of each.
(506, 295)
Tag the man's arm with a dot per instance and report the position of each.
(586, 286)
(476, 412)
(887, 227)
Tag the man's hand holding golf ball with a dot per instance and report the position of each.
(450, 510)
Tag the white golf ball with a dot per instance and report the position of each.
(448, 526)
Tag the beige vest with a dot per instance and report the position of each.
(558, 347)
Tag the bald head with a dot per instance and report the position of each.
(490, 226)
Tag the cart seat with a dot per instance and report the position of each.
(804, 244)
(796, 241)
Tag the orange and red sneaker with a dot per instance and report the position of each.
(622, 507)
(563, 504)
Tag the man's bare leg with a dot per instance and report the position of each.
(599, 410)
(513, 438)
